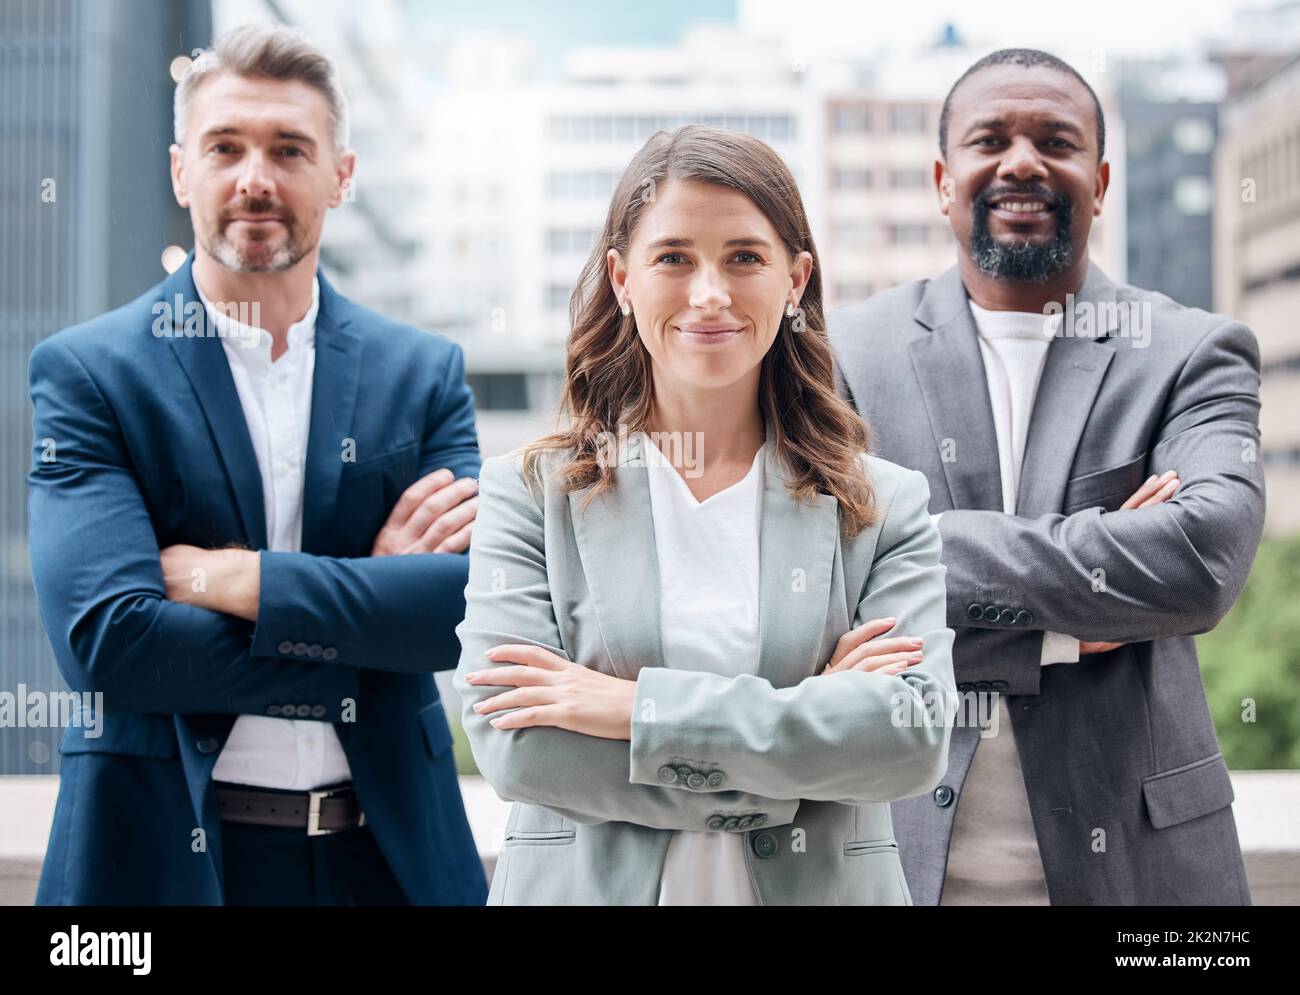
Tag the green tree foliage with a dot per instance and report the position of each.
(1254, 656)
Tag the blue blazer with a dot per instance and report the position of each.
(140, 443)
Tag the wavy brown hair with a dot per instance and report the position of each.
(609, 381)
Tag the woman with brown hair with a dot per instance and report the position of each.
(674, 654)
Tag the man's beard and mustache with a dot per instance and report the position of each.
(1022, 261)
(254, 254)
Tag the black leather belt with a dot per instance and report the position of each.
(328, 810)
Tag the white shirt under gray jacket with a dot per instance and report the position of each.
(800, 765)
(1128, 792)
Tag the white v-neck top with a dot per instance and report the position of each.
(708, 619)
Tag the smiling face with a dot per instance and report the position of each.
(258, 171)
(1021, 181)
(708, 280)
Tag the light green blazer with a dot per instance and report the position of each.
(803, 766)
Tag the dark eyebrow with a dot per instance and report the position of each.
(1073, 129)
(686, 243)
(994, 123)
(230, 129)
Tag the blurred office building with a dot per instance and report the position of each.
(1171, 109)
(85, 122)
(1257, 231)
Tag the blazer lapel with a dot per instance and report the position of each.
(1072, 376)
(204, 360)
(797, 546)
(615, 537)
(333, 399)
(796, 561)
(950, 371)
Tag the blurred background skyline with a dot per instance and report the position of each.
(490, 137)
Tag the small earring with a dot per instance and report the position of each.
(626, 308)
(789, 309)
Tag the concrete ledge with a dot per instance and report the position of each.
(1267, 809)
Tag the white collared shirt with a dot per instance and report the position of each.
(293, 754)
(708, 619)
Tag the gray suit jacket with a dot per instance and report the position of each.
(804, 766)
(1128, 791)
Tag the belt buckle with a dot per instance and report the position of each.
(314, 799)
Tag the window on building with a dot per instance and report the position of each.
(851, 179)
(557, 296)
(907, 179)
(499, 391)
(907, 120)
(1193, 195)
(909, 234)
(1193, 135)
(851, 120)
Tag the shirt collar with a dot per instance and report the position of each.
(1015, 324)
(250, 341)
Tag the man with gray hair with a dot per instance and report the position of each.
(249, 504)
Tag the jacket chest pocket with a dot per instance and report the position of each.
(529, 824)
(559, 837)
(858, 848)
(1106, 489)
(368, 491)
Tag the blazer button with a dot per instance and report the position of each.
(299, 649)
(760, 819)
(287, 711)
(999, 686)
(208, 745)
(992, 613)
(272, 709)
(314, 650)
(1024, 617)
(745, 822)
(975, 613)
(286, 646)
(667, 774)
(1008, 617)
(317, 711)
(943, 796)
(765, 845)
(716, 822)
(303, 711)
(983, 686)
(329, 653)
(696, 781)
(717, 779)
(731, 823)
(964, 686)
(683, 773)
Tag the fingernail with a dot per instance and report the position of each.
(494, 722)
(915, 656)
(478, 707)
(489, 653)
